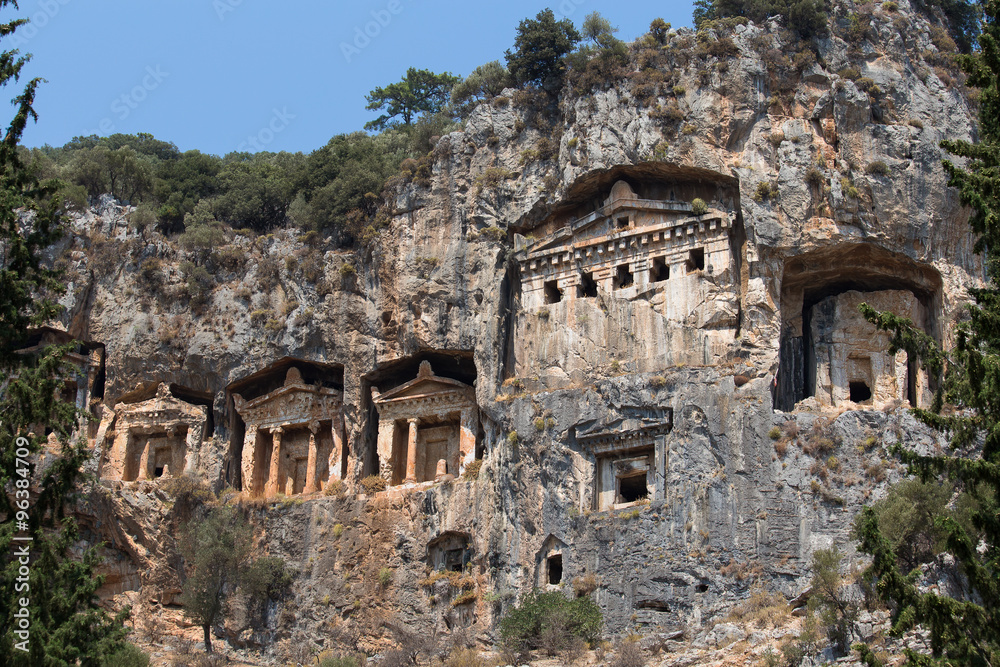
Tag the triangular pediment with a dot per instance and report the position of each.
(424, 387)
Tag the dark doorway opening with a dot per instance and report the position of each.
(555, 569)
(660, 270)
(587, 286)
(623, 277)
(632, 488)
(860, 391)
(696, 260)
(552, 292)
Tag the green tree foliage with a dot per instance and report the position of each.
(837, 612)
(540, 612)
(183, 182)
(66, 624)
(962, 631)
(539, 49)
(218, 551)
(486, 82)
(808, 18)
(345, 175)
(659, 29)
(255, 191)
(598, 30)
(906, 517)
(962, 16)
(419, 92)
(602, 60)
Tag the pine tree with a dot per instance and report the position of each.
(49, 616)
(540, 46)
(962, 631)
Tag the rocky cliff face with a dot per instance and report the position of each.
(651, 295)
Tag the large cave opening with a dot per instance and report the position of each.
(821, 351)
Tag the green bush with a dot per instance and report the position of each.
(815, 177)
(330, 660)
(808, 18)
(698, 206)
(877, 168)
(765, 192)
(267, 578)
(541, 612)
(129, 655)
(906, 519)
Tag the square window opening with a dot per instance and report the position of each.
(632, 488)
(622, 222)
(552, 292)
(555, 568)
(623, 277)
(660, 270)
(696, 260)
(587, 286)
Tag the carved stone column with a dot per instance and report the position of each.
(144, 463)
(311, 485)
(273, 481)
(116, 462)
(337, 453)
(386, 432)
(192, 450)
(466, 440)
(411, 451)
(249, 461)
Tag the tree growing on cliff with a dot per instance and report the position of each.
(807, 18)
(420, 92)
(963, 631)
(539, 49)
(48, 607)
(218, 551)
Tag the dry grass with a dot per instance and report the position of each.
(762, 609)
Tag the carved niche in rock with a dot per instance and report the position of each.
(159, 437)
(84, 368)
(422, 423)
(624, 246)
(451, 552)
(642, 280)
(294, 438)
(629, 464)
(552, 561)
(851, 360)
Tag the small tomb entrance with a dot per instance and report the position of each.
(153, 438)
(293, 441)
(629, 464)
(427, 428)
(451, 552)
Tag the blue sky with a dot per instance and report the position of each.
(224, 75)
